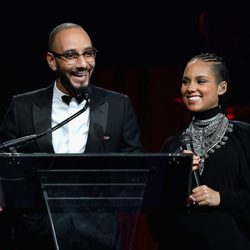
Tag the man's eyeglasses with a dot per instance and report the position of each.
(72, 57)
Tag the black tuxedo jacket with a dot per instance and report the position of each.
(113, 124)
(113, 128)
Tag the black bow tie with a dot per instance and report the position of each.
(67, 98)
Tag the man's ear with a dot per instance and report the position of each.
(51, 61)
(222, 88)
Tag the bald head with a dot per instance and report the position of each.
(58, 29)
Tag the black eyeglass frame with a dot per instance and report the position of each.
(75, 55)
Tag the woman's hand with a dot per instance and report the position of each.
(196, 159)
(203, 195)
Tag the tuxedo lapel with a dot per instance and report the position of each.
(42, 119)
(98, 123)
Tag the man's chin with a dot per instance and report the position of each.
(80, 89)
(80, 85)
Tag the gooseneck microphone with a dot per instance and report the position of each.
(186, 143)
(12, 145)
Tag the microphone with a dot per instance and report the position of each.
(11, 145)
(186, 142)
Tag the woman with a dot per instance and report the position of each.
(219, 215)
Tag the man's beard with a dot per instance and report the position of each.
(73, 91)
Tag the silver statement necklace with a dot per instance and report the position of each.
(209, 135)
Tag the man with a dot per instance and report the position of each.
(108, 123)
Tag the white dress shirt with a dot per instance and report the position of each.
(71, 137)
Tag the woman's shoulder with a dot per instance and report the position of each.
(241, 131)
(240, 124)
(171, 143)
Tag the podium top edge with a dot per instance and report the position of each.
(7, 155)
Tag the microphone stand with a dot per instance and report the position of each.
(11, 145)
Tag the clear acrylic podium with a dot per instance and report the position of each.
(122, 184)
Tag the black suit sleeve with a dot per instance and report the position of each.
(131, 131)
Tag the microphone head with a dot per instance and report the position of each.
(185, 139)
(84, 93)
(87, 92)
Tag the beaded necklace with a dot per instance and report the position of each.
(209, 135)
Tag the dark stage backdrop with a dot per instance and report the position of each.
(142, 49)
